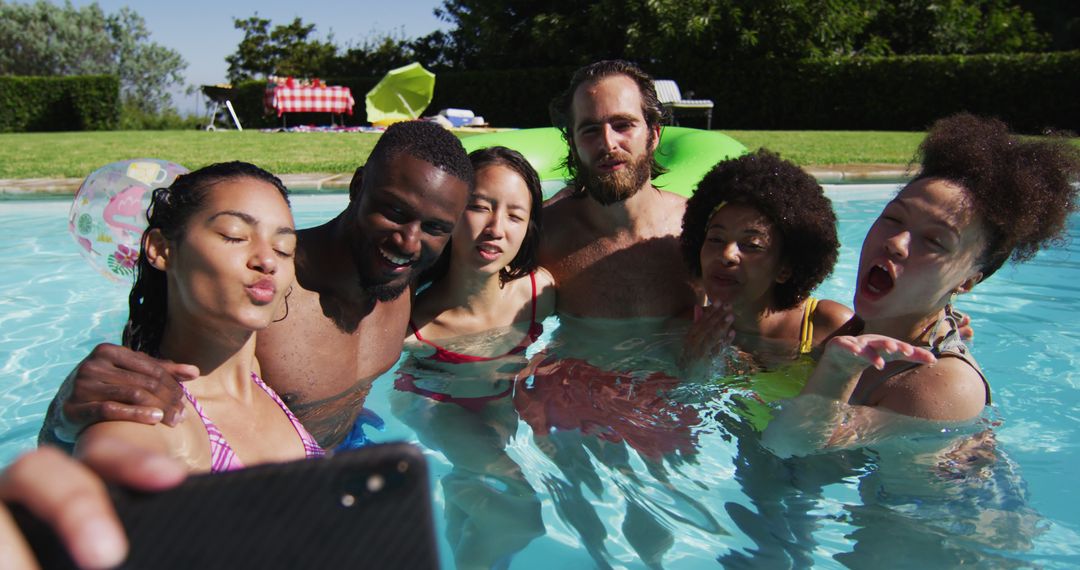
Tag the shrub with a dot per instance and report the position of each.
(78, 103)
(1031, 92)
(134, 118)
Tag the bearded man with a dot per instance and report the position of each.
(612, 241)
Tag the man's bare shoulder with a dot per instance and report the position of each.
(561, 205)
(672, 208)
(564, 226)
(676, 200)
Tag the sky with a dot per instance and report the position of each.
(202, 30)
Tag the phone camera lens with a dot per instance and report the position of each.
(375, 483)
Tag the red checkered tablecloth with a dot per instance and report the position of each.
(309, 100)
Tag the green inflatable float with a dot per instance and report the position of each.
(687, 153)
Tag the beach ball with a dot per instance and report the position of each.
(108, 214)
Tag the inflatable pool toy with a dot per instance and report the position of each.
(402, 94)
(687, 153)
(108, 214)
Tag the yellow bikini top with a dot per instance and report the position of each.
(806, 334)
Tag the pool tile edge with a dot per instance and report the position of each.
(318, 183)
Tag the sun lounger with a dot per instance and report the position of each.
(671, 98)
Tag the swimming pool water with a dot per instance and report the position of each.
(718, 500)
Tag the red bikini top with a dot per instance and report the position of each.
(442, 355)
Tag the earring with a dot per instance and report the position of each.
(286, 315)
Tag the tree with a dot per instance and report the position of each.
(526, 33)
(374, 57)
(291, 50)
(283, 50)
(48, 39)
(958, 26)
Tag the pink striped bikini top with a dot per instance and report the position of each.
(222, 456)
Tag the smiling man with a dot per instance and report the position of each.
(612, 242)
(346, 315)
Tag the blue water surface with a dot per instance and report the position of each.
(687, 486)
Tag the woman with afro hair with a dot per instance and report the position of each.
(761, 235)
(983, 196)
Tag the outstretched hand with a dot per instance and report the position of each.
(854, 353)
(117, 383)
(70, 497)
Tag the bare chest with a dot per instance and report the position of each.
(323, 371)
(614, 278)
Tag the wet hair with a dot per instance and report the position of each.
(1021, 190)
(526, 261)
(425, 140)
(169, 212)
(792, 201)
(562, 107)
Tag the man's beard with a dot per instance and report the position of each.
(381, 292)
(612, 187)
(384, 292)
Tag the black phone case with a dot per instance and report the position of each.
(368, 508)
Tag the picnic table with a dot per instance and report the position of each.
(335, 100)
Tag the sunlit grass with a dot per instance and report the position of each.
(45, 155)
(75, 154)
(817, 148)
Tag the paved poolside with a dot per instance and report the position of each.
(326, 182)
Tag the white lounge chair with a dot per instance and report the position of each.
(671, 98)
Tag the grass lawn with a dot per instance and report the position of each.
(74, 155)
(818, 148)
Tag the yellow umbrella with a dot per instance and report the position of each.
(401, 95)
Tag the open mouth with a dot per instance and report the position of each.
(878, 281)
(397, 262)
(489, 252)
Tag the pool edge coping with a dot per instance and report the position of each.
(318, 183)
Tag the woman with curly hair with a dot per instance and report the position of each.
(761, 235)
(983, 196)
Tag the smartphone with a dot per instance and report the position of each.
(364, 508)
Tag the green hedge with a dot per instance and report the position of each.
(79, 103)
(1031, 92)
